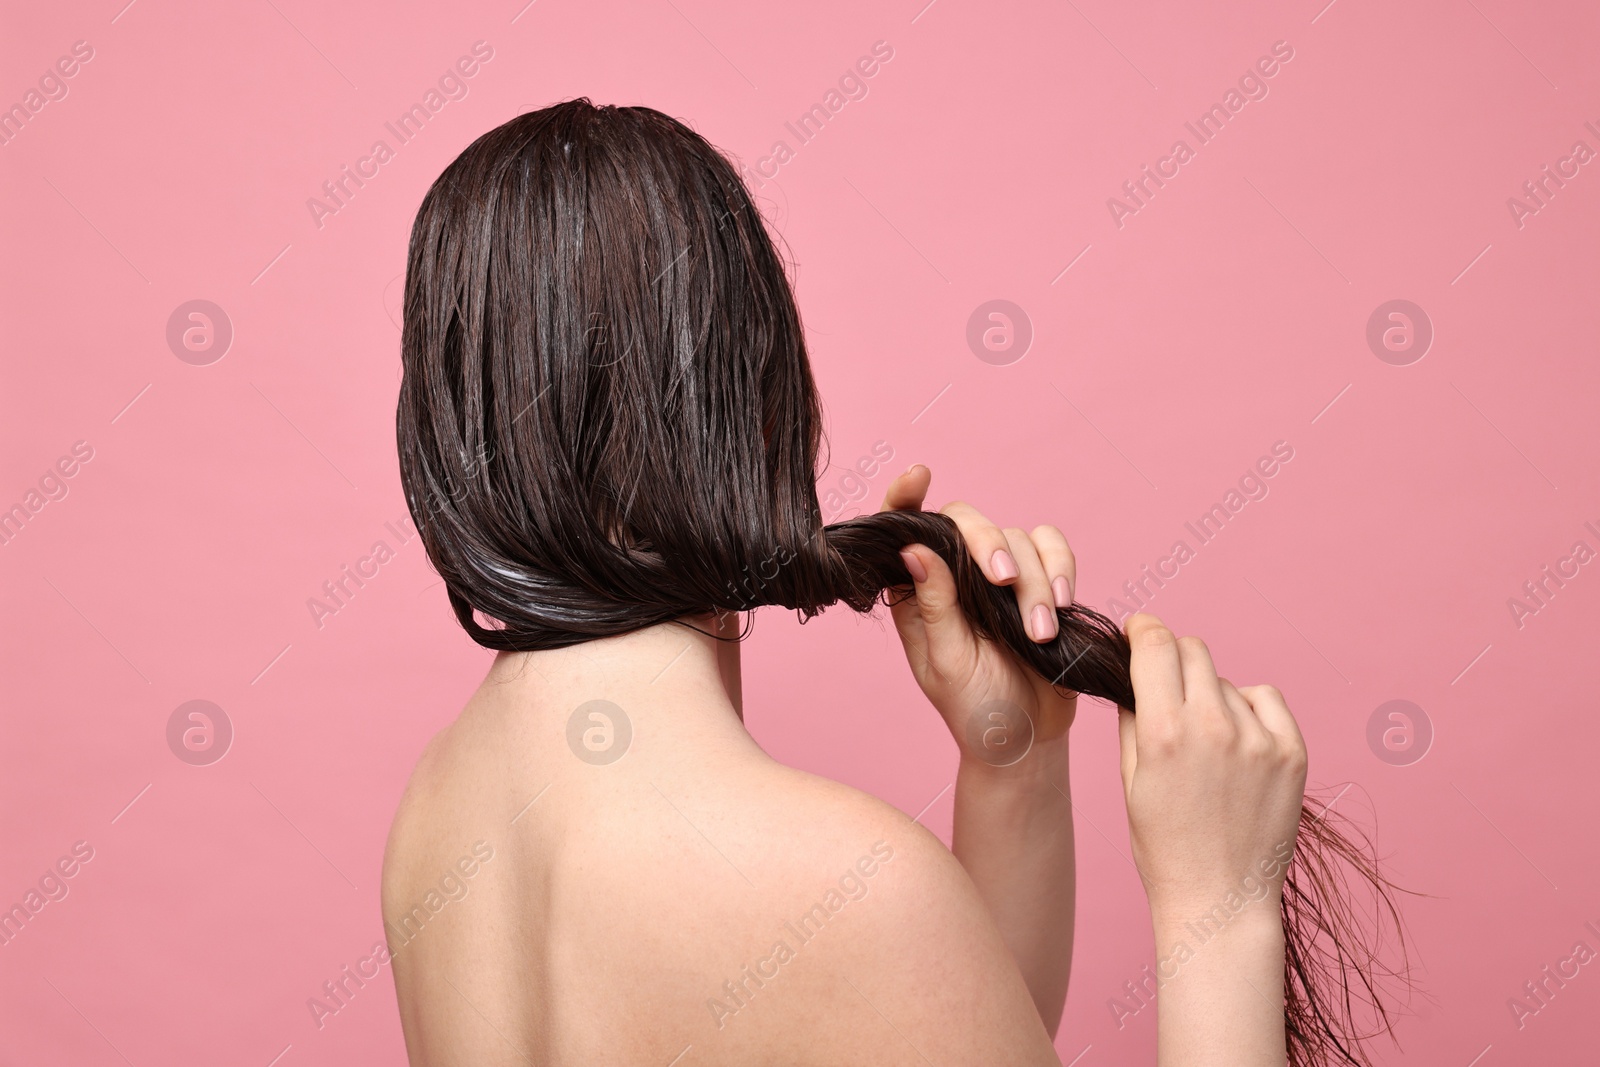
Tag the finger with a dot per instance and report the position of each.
(908, 622)
(1127, 735)
(1200, 685)
(1236, 701)
(1156, 672)
(1252, 733)
(1034, 598)
(937, 627)
(1060, 566)
(1273, 712)
(986, 543)
(907, 492)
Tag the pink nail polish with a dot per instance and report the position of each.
(1005, 568)
(1063, 592)
(914, 567)
(1044, 626)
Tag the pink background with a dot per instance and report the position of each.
(1227, 314)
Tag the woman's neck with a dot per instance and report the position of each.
(687, 670)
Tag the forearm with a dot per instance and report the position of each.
(1013, 834)
(1220, 998)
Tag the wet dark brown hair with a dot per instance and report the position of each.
(607, 421)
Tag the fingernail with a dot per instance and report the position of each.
(1044, 626)
(1063, 592)
(1003, 565)
(914, 566)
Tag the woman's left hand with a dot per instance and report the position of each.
(978, 686)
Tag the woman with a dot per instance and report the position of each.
(608, 432)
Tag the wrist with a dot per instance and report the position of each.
(1043, 767)
(1229, 919)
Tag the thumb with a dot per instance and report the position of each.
(932, 621)
(1130, 751)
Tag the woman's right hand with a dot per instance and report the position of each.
(1214, 778)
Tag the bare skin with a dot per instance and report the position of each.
(617, 905)
(694, 898)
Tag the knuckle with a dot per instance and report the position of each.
(930, 602)
(1014, 533)
(1155, 635)
(1161, 740)
(1216, 727)
(1258, 748)
(1192, 644)
(1061, 553)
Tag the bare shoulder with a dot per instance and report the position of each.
(451, 775)
(416, 819)
(884, 933)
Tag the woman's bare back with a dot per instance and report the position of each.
(557, 903)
